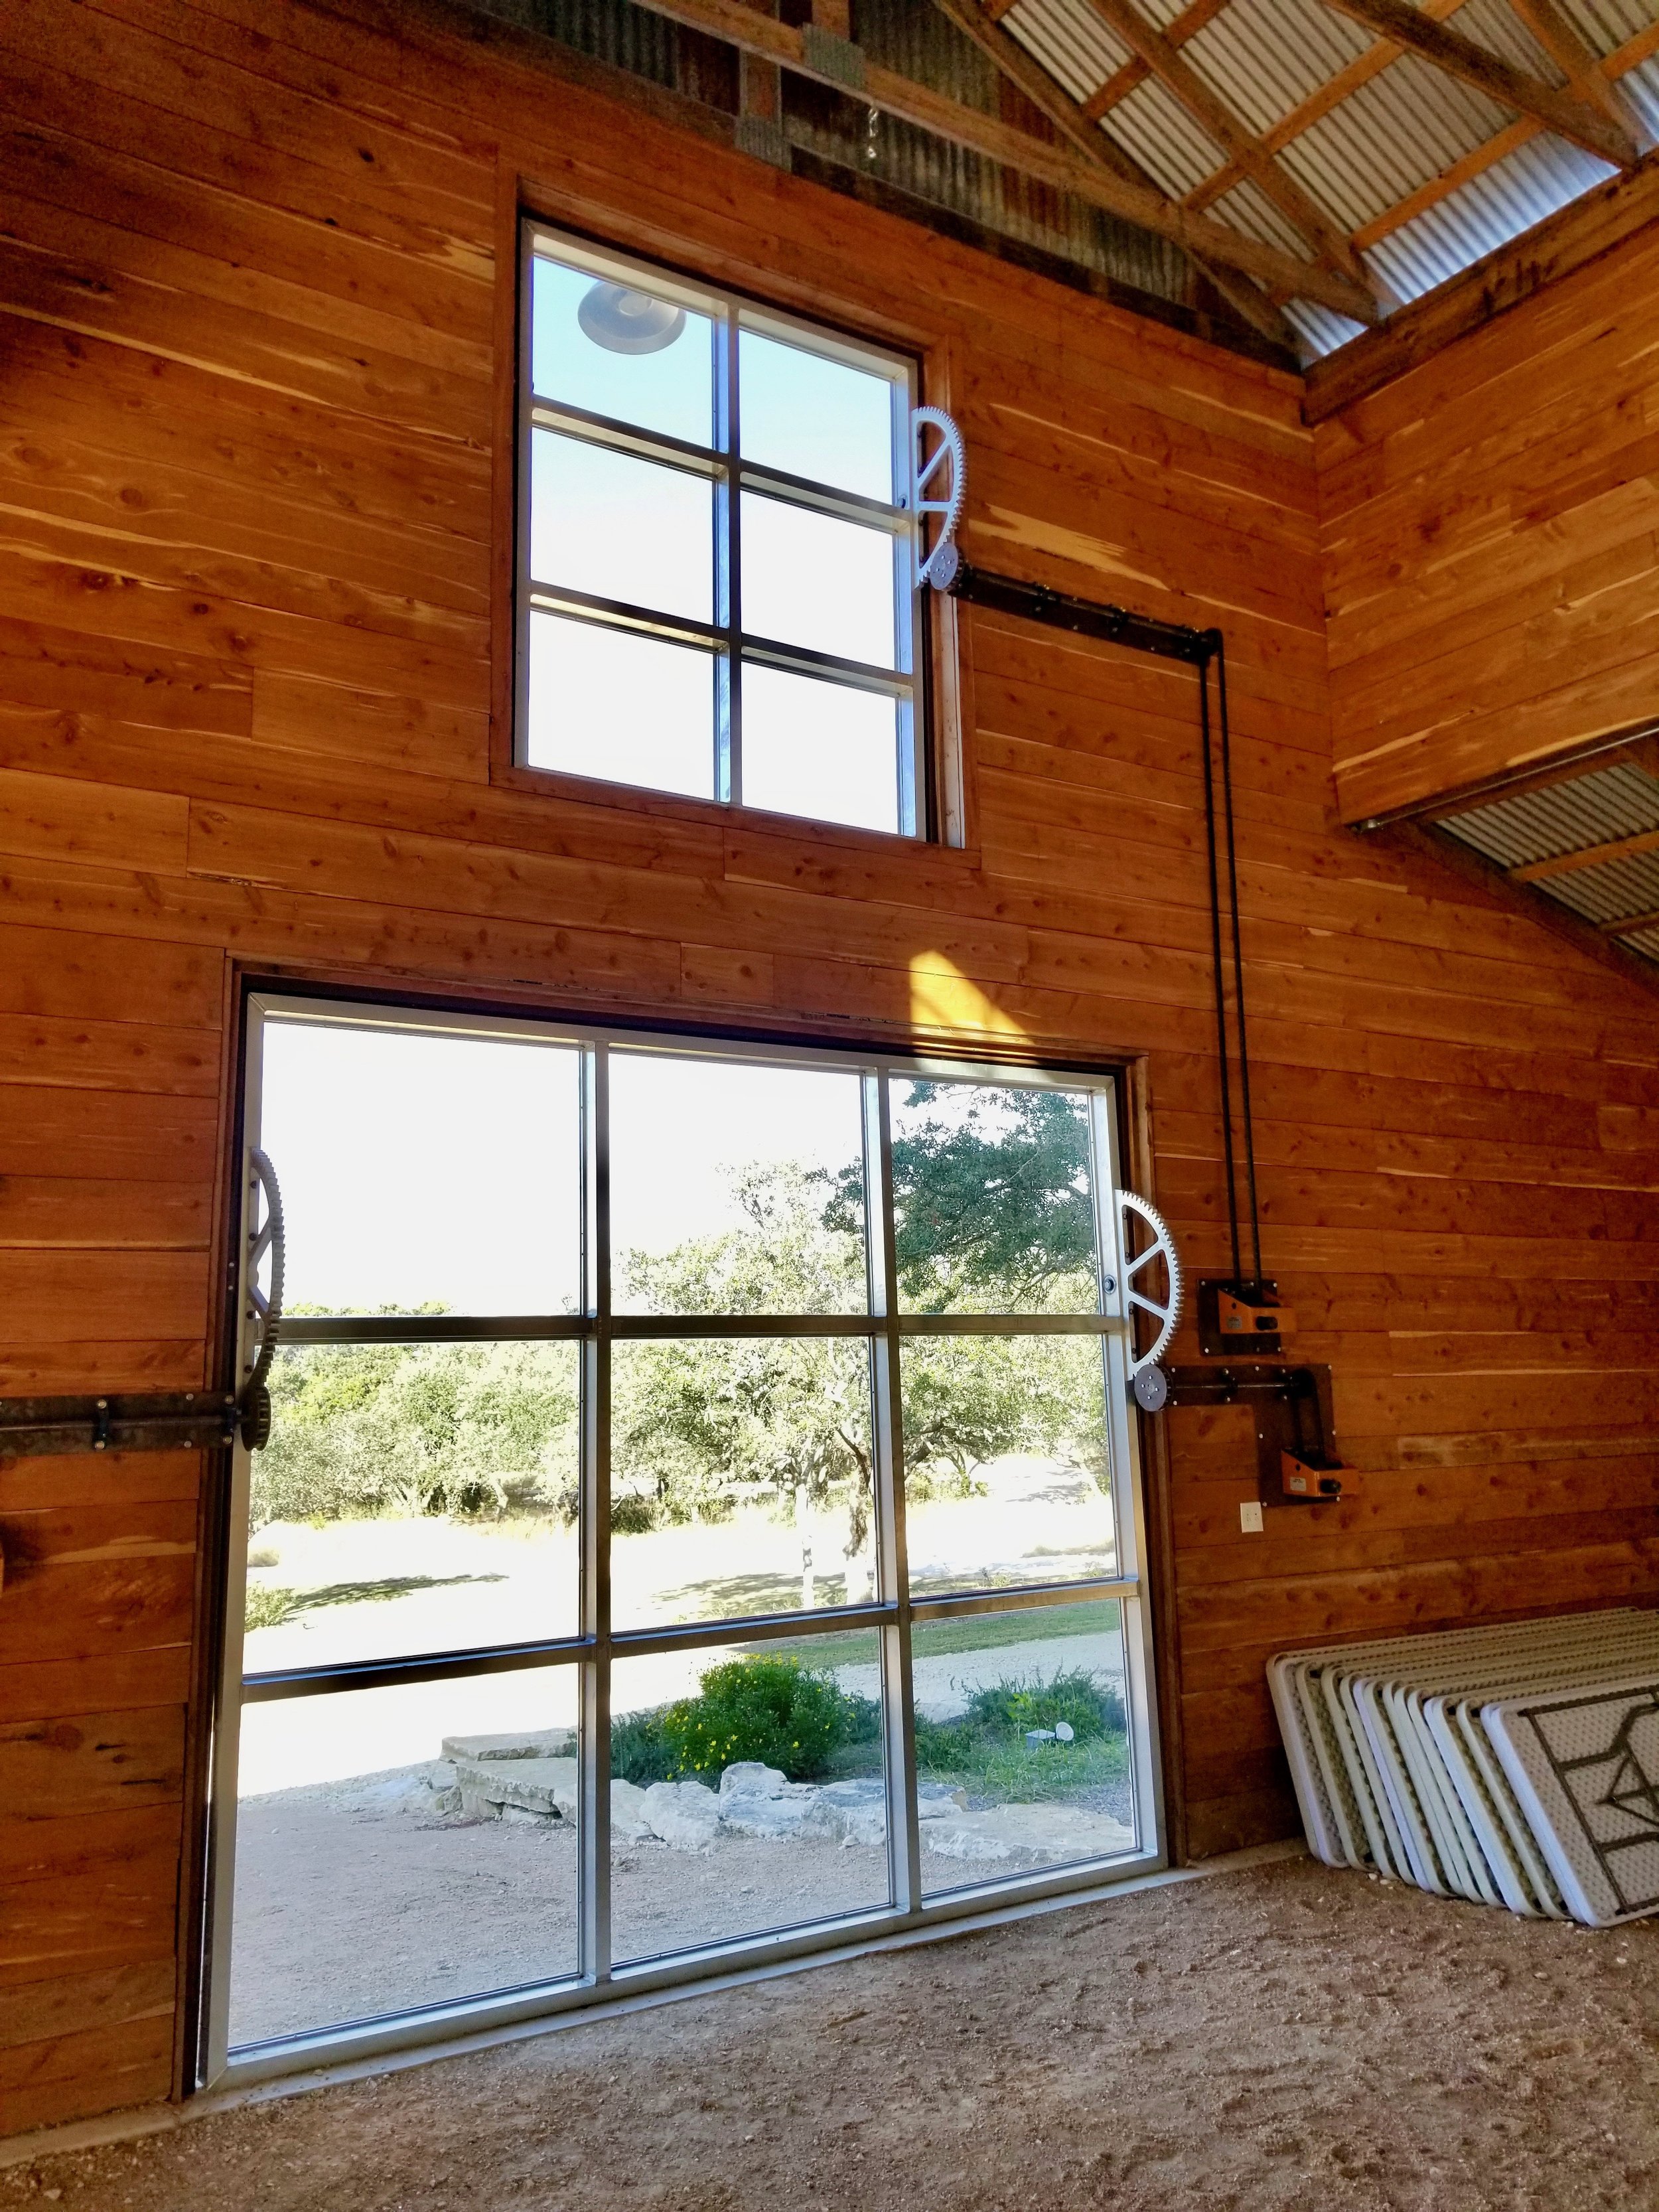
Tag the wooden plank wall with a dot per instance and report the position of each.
(1490, 531)
(254, 510)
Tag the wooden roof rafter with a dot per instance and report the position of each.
(1377, 56)
(1525, 128)
(977, 20)
(1577, 120)
(1241, 145)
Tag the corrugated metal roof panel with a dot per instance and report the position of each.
(1267, 57)
(1151, 124)
(1640, 86)
(1570, 816)
(1645, 941)
(1247, 208)
(1494, 25)
(1388, 138)
(1526, 188)
(1070, 40)
(1616, 888)
(1321, 329)
(1604, 25)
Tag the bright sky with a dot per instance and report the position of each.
(416, 1167)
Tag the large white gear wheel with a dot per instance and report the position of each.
(1165, 1312)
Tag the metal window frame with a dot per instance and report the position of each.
(722, 636)
(599, 1644)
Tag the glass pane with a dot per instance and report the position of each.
(413, 1497)
(746, 1791)
(424, 1174)
(621, 528)
(403, 1847)
(669, 387)
(626, 708)
(1022, 1742)
(816, 417)
(820, 749)
(740, 1478)
(811, 579)
(993, 1198)
(1006, 1477)
(735, 1188)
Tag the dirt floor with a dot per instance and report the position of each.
(1284, 2037)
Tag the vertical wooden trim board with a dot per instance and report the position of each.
(256, 324)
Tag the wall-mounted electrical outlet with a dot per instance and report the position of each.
(1249, 1517)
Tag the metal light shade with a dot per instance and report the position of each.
(625, 321)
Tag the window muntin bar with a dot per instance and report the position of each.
(887, 1615)
(629, 562)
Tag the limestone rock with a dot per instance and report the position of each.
(750, 1777)
(547, 1786)
(773, 1818)
(527, 1743)
(683, 1813)
(627, 1814)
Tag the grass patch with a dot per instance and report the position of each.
(986, 1753)
(973, 1632)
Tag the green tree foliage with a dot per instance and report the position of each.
(993, 1213)
(408, 1429)
(992, 1200)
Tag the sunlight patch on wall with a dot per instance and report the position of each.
(944, 1000)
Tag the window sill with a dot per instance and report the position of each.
(751, 820)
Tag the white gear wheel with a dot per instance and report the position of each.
(1166, 1312)
(939, 565)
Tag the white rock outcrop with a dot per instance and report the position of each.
(686, 1814)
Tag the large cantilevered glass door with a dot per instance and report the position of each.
(700, 1520)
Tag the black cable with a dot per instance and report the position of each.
(1238, 970)
(1215, 952)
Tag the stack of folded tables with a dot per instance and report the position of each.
(1515, 1765)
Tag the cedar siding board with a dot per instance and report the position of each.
(256, 316)
(1490, 523)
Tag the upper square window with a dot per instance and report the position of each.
(716, 567)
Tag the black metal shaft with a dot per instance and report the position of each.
(1116, 625)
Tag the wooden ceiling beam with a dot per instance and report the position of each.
(1315, 108)
(1121, 82)
(844, 69)
(1591, 856)
(1172, 70)
(1442, 187)
(1404, 25)
(1587, 74)
(973, 19)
